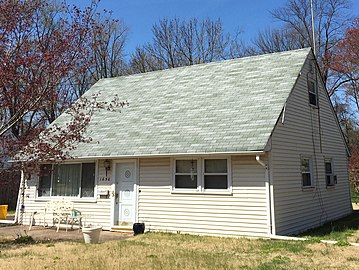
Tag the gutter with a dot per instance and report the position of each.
(171, 155)
(258, 159)
(238, 153)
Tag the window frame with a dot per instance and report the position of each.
(200, 176)
(329, 160)
(315, 92)
(50, 196)
(204, 174)
(174, 173)
(305, 172)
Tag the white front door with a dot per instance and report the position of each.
(125, 179)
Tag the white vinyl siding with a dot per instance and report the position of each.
(298, 209)
(244, 212)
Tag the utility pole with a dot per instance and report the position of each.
(313, 31)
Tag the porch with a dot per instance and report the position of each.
(39, 233)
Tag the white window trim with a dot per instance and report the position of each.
(72, 198)
(315, 92)
(228, 174)
(173, 171)
(200, 177)
(327, 160)
(311, 186)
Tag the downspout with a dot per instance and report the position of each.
(271, 227)
(268, 194)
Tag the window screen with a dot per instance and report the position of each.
(215, 174)
(312, 93)
(306, 172)
(66, 180)
(329, 173)
(45, 180)
(186, 174)
(88, 180)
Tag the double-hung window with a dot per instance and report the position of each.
(215, 174)
(44, 188)
(202, 174)
(330, 178)
(69, 180)
(186, 174)
(312, 92)
(306, 171)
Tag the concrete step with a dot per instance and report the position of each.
(122, 229)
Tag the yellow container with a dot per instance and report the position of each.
(3, 211)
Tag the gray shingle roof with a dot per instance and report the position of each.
(228, 106)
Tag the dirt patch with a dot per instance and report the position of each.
(40, 233)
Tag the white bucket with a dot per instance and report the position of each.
(91, 234)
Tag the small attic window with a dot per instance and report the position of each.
(311, 67)
(312, 91)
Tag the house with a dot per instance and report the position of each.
(243, 147)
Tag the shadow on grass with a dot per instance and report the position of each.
(336, 230)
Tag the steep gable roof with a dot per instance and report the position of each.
(229, 106)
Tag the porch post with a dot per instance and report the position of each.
(21, 200)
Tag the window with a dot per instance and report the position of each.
(330, 178)
(66, 180)
(186, 174)
(215, 174)
(312, 91)
(73, 180)
(45, 180)
(201, 174)
(88, 180)
(305, 168)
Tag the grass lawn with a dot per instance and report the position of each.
(343, 230)
(355, 197)
(176, 251)
(11, 213)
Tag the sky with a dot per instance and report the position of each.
(249, 16)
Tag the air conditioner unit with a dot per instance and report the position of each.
(331, 180)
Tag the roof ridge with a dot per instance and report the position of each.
(204, 64)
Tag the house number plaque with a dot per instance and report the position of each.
(105, 179)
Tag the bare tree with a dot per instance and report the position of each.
(105, 46)
(141, 61)
(277, 40)
(108, 43)
(181, 43)
(331, 19)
